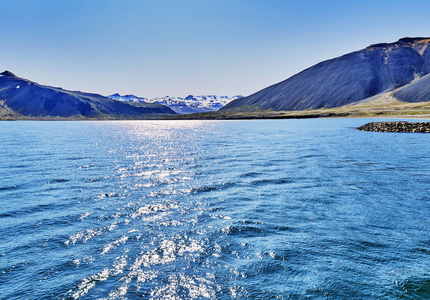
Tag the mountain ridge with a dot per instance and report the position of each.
(347, 79)
(20, 97)
(183, 105)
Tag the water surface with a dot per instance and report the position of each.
(263, 209)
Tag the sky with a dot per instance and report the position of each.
(154, 48)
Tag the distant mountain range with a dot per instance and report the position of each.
(187, 105)
(400, 67)
(23, 98)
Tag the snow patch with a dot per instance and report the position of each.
(187, 105)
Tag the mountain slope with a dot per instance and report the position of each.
(417, 91)
(346, 79)
(27, 98)
(188, 105)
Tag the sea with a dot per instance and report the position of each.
(234, 209)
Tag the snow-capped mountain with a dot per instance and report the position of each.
(128, 98)
(188, 105)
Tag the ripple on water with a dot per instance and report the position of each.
(213, 210)
(140, 270)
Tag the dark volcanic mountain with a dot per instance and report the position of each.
(21, 97)
(417, 91)
(350, 78)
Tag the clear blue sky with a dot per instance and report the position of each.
(180, 47)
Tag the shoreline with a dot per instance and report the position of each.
(419, 110)
(53, 119)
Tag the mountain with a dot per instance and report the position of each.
(195, 104)
(350, 78)
(188, 105)
(417, 91)
(21, 97)
(128, 98)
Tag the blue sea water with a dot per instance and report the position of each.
(260, 209)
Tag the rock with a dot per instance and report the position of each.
(400, 126)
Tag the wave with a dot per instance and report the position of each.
(10, 188)
(273, 181)
(59, 180)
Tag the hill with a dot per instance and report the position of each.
(377, 69)
(417, 91)
(23, 98)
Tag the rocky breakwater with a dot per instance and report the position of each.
(400, 126)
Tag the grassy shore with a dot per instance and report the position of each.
(370, 109)
(380, 107)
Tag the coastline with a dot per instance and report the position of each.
(420, 110)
